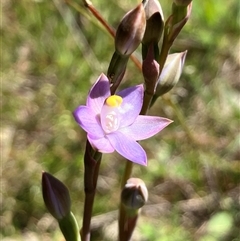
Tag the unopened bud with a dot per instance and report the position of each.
(155, 22)
(179, 17)
(135, 194)
(56, 196)
(150, 70)
(182, 2)
(171, 73)
(130, 31)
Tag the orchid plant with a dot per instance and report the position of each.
(117, 120)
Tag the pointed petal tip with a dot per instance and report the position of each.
(145, 164)
(166, 120)
(139, 162)
(102, 76)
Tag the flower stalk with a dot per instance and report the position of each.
(92, 161)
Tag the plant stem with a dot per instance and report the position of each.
(123, 219)
(127, 224)
(92, 161)
(166, 45)
(87, 214)
(103, 22)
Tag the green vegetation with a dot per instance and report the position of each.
(51, 55)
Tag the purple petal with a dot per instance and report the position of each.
(128, 148)
(89, 121)
(131, 105)
(98, 93)
(101, 144)
(145, 127)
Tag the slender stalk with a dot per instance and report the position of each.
(99, 17)
(123, 221)
(103, 22)
(92, 161)
(166, 45)
(127, 173)
(127, 224)
(87, 215)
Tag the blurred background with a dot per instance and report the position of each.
(52, 52)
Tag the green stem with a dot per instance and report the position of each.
(166, 45)
(126, 224)
(122, 214)
(127, 173)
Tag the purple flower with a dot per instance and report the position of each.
(112, 122)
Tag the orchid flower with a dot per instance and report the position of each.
(113, 123)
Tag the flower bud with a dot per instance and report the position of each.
(135, 194)
(130, 31)
(171, 73)
(150, 70)
(56, 196)
(179, 17)
(182, 2)
(155, 22)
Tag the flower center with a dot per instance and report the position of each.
(110, 113)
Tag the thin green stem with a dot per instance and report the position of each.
(166, 45)
(124, 221)
(122, 213)
(127, 173)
